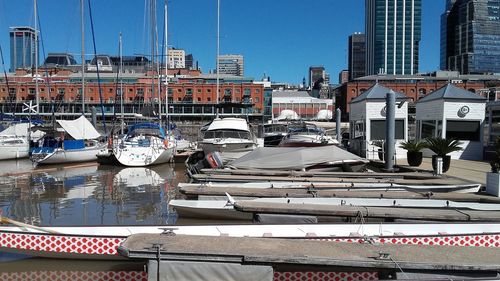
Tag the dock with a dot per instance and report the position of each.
(312, 254)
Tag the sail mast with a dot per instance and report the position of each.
(217, 58)
(121, 84)
(82, 30)
(37, 95)
(166, 65)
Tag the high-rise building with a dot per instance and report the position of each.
(231, 64)
(393, 32)
(317, 75)
(176, 58)
(473, 36)
(343, 76)
(22, 47)
(356, 57)
(447, 35)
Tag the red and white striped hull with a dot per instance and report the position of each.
(100, 243)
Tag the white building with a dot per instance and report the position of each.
(367, 122)
(300, 102)
(231, 64)
(451, 112)
(176, 58)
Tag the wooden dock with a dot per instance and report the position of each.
(391, 213)
(249, 178)
(195, 190)
(313, 254)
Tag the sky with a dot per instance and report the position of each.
(280, 38)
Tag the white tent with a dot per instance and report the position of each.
(288, 114)
(324, 114)
(80, 128)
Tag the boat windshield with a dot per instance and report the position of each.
(275, 128)
(221, 134)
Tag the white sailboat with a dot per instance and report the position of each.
(77, 142)
(15, 143)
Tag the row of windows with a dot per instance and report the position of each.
(246, 91)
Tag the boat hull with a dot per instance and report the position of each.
(143, 156)
(60, 155)
(101, 243)
(14, 151)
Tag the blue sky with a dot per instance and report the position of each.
(281, 38)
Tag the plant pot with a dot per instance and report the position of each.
(493, 184)
(446, 162)
(414, 158)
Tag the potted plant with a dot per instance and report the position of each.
(379, 144)
(493, 177)
(413, 153)
(441, 147)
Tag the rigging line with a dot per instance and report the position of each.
(6, 81)
(115, 104)
(43, 53)
(97, 68)
(399, 267)
(161, 70)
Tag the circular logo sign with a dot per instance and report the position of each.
(463, 111)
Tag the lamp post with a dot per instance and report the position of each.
(390, 124)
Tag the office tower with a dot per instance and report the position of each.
(176, 58)
(317, 74)
(231, 64)
(343, 76)
(22, 47)
(473, 36)
(447, 35)
(393, 32)
(356, 57)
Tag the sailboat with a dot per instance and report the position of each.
(15, 141)
(145, 143)
(74, 141)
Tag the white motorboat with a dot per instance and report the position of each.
(14, 141)
(145, 144)
(306, 134)
(77, 143)
(231, 137)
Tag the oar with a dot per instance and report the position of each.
(25, 225)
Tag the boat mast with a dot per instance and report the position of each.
(82, 30)
(121, 83)
(36, 53)
(166, 65)
(217, 58)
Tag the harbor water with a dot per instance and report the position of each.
(84, 194)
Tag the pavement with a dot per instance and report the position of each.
(464, 169)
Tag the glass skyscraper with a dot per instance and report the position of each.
(473, 36)
(393, 32)
(356, 56)
(22, 47)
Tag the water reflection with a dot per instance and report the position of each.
(90, 194)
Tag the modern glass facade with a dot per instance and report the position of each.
(22, 48)
(231, 64)
(393, 32)
(475, 36)
(357, 52)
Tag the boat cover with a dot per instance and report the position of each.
(186, 270)
(229, 124)
(80, 128)
(21, 130)
(293, 158)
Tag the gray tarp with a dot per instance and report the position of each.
(198, 271)
(293, 158)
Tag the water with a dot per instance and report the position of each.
(83, 194)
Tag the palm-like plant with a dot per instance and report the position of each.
(495, 162)
(413, 145)
(443, 146)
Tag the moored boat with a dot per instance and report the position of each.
(306, 135)
(15, 143)
(77, 142)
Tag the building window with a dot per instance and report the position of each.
(130, 90)
(22, 89)
(246, 91)
(179, 90)
(61, 91)
(31, 91)
(170, 91)
(378, 129)
(42, 90)
(209, 90)
(257, 91)
(179, 99)
(421, 92)
(257, 99)
(198, 91)
(463, 130)
(199, 99)
(209, 99)
(140, 92)
(110, 90)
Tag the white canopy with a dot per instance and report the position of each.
(288, 114)
(21, 130)
(229, 124)
(80, 128)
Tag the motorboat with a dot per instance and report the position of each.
(273, 133)
(75, 141)
(231, 137)
(15, 143)
(145, 144)
(306, 134)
